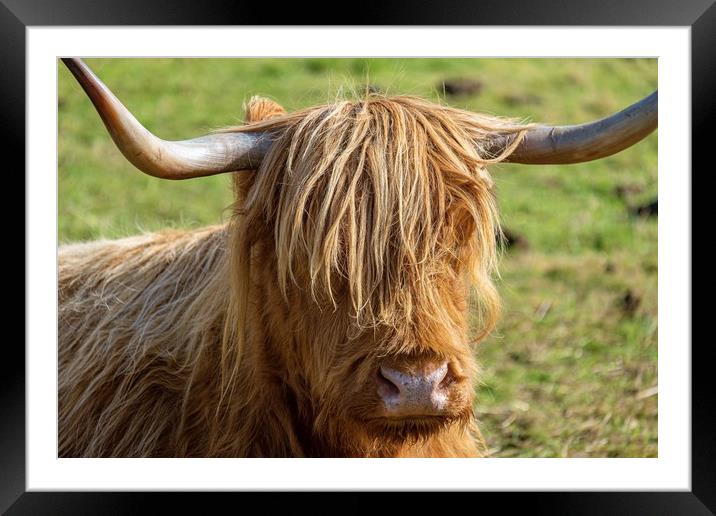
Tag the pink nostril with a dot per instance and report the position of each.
(386, 387)
(421, 392)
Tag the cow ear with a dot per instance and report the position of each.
(260, 108)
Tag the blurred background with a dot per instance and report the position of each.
(572, 369)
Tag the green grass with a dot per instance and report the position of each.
(571, 370)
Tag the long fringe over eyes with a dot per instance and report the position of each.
(371, 201)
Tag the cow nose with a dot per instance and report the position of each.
(420, 392)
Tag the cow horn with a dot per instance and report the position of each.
(555, 145)
(203, 156)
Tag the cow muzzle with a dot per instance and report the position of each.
(415, 391)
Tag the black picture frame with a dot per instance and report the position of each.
(17, 15)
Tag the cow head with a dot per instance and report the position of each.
(367, 223)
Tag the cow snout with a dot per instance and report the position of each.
(414, 392)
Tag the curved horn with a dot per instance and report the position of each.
(548, 145)
(203, 156)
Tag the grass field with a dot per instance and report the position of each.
(572, 369)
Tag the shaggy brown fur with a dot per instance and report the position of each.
(356, 241)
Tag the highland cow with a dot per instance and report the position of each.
(329, 316)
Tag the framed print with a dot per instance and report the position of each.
(136, 377)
